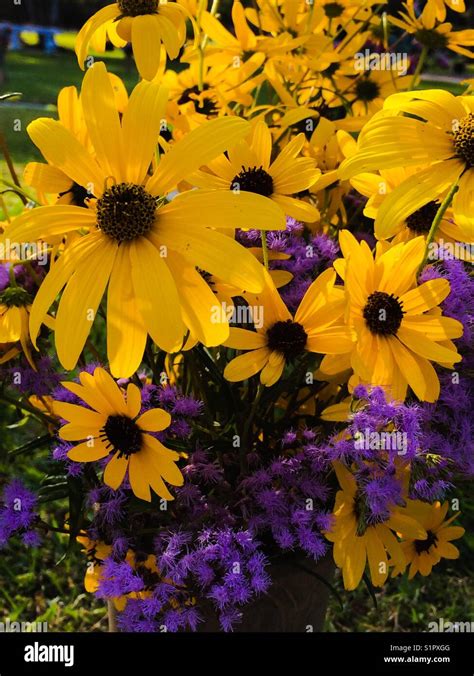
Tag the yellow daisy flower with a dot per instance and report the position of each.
(398, 330)
(357, 543)
(281, 338)
(436, 9)
(15, 305)
(422, 555)
(432, 128)
(248, 169)
(430, 34)
(144, 248)
(376, 186)
(147, 24)
(112, 424)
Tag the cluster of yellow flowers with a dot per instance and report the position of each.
(281, 113)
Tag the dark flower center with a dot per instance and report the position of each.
(464, 139)
(333, 10)
(126, 211)
(383, 313)
(253, 180)
(424, 545)
(122, 434)
(431, 38)
(78, 195)
(288, 337)
(15, 296)
(366, 90)
(420, 220)
(137, 7)
(203, 104)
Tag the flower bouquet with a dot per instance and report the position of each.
(236, 310)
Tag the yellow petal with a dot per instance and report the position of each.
(139, 472)
(146, 42)
(61, 148)
(241, 339)
(115, 471)
(195, 150)
(246, 365)
(107, 13)
(157, 296)
(88, 451)
(102, 119)
(154, 420)
(134, 400)
(425, 297)
(141, 124)
(80, 300)
(126, 332)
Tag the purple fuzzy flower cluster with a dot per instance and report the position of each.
(29, 381)
(287, 499)
(181, 408)
(18, 514)
(224, 568)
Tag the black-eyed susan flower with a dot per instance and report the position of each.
(436, 9)
(431, 34)
(15, 305)
(376, 186)
(282, 338)
(147, 24)
(422, 555)
(141, 246)
(248, 168)
(113, 425)
(432, 128)
(399, 328)
(358, 543)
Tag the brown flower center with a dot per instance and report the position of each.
(126, 211)
(383, 313)
(464, 139)
(420, 220)
(253, 179)
(137, 7)
(122, 434)
(288, 338)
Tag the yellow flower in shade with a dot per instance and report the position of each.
(144, 248)
(422, 555)
(436, 9)
(376, 186)
(433, 35)
(399, 327)
(15, 305)
(367, 93)
(112, 424)
(96, 553)
(438, 133)
(248, 168)
(281, 338)
(357, 543)
(147, 24)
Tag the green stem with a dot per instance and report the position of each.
(419, 66)
(436, 221)
(245, 445)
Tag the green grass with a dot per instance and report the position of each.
(39, 76)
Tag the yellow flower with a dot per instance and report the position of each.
(46, 178)
(96, 553)
(376, 186)
(115, 426)
(399, 328)
(357, 543)
(248, 169)
(438, 133)
(436, 9)
(143, 247)
(15, 305)
(422, 555)
(280, 338)
(147, 24)
(431, 34)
